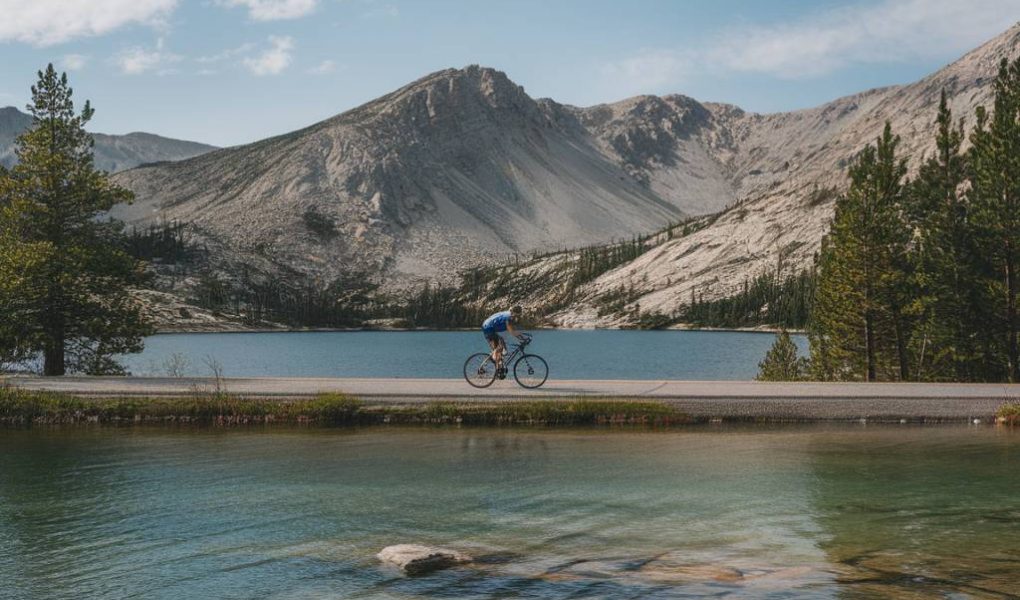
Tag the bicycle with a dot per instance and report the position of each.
(530, 370)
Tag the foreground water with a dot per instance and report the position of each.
(791, 512)
(602, 354)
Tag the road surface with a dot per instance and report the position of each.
(722, 399)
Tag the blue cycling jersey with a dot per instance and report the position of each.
(497, 322)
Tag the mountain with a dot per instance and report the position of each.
(457, 168)
(112, 152)
(462, 167)
(786, 170)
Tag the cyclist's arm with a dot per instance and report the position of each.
(512, 330)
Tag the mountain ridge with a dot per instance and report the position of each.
(461, 167)
(458, 167)
(784, 208)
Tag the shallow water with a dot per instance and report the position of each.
(601, 354)
(783, 512)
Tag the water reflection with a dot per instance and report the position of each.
(927, 512)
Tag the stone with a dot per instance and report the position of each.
(415, 559)
(665, 573)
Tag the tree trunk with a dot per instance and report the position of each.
(869, 343)
(1011, 317)
(901, 345)
(53, 352)
(54, 327)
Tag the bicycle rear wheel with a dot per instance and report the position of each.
(479, 370)
(531, 371)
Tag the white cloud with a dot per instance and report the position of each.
(893, 30)
(138, 60)
(73, 62)
(274, 10)
(48, 22)
(274, 60)
(326, 66)
(874, 33)
(649, 71)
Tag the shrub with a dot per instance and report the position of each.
(781, 362)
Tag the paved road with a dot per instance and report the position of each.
(724, 399)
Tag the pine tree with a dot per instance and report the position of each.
(77, 313)
(781, 362)
(859, 326)
(947, 293)
(20, 283)
(995, 202)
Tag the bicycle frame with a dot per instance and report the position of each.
(518, 349)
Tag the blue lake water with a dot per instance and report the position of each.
(572, 354)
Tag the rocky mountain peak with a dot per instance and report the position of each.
(444, 96)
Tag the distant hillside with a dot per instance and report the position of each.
(113, 152)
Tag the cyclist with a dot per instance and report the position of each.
(491, 328)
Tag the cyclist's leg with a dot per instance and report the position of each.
(494, 340)
(500, 350)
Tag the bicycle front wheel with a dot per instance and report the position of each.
(479, 370)
(531, 371)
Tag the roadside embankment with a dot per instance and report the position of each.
(369, 401)
(752, 401)
(22, 408)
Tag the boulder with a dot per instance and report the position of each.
(415, 559)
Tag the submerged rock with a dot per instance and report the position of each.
(415, 559)
(689, 573)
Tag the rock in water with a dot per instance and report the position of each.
(415, 559)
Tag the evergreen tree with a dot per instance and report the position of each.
(947, 293)
(781, 362)
(75, 307)
(860, 329)
(20, 283)
(995, 212)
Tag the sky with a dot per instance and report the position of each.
(228, 72)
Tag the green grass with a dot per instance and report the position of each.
(20, 407)
(1009, 412)
(25, 407)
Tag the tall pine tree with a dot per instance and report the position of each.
(945, 260)
(995, 211)
(73, 305)
(860, 329)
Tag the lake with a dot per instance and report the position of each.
(572, 354)
(801, 512)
